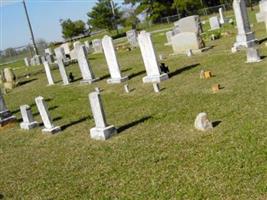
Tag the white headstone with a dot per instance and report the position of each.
(48, 51)
(85, 67)
(150, 59)
(245, 36)
(48, 73)
(66, 48)
(50, 59)
(189, 24)
(97, 46)
(59, 51)
(112, 62)
(214, 23)
(61, 67)
(101, 131)
(187, 40)
(27, 61)
(5, 114)
(222, 20)
(263, 11)
(46, 118)
(27, 117)
(202, 122)
(132, 37)
(88, 46)
(76, 44)
(169, 35)
(37, 59)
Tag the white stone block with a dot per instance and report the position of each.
(49, 127)
(112, 61)
(48, 73)
(101, 131)
(27, 117)
(245, 36)
(150, 59)
(85, 67)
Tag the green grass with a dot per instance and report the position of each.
(163, 157)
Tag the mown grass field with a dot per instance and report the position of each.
(157, 154)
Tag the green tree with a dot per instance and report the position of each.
(102, 17)
(72, 28)
(155, 9)
(186, 6)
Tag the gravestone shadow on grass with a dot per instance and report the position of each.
(181, 70)
(132, 124)
(53, 120)
(21, 83)
(216, 123)
(1, 196)
(262, 40)
(104, 77)
(131, 76)
(72, 123)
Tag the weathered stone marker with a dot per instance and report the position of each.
(85, 67)
(49, 76)
(111, 58)
(27, 117)
(245, 36)
(5, 115)
(216, 88)
(202, 122)
(150, 59)
(101, 131)
(207, 74)
(46, 118)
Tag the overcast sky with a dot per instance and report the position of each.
(44, 16)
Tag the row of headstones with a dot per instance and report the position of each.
(38, 60)
(101, 131)
(186, 34)
(149, 56)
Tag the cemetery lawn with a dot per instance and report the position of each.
(157, 154)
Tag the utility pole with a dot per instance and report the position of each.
(114, 15)
(30, 26)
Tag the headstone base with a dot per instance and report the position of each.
(6, 117)
(28, 126)
(89, 81)
(51, 130)
(117, 80)
(155, 79)
(102, 133)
